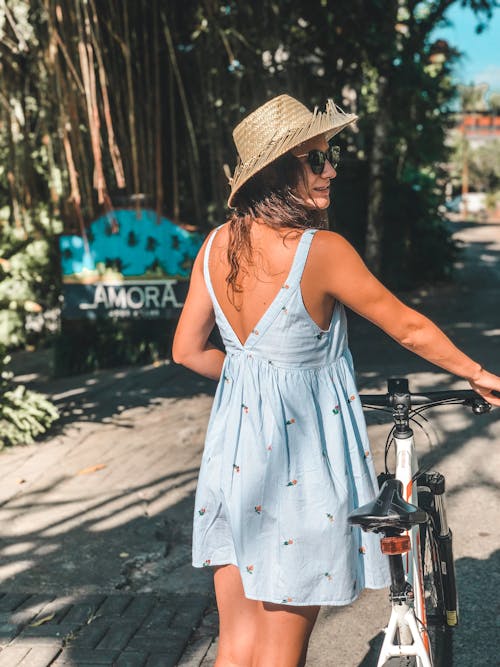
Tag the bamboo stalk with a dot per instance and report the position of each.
(131, 101)
(119, 100)
(86, 64)
(143, 110)
(75, 195)
(194, 168)
(182, 90)
(158, 125)
(68, 60)
(114, 150)
(173, 140)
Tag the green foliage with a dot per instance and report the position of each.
(24, 414)
(483, 164)
(29, 271)
(418, 247)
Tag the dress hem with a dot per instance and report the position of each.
(336, 603)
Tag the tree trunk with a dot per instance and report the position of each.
(375, 217)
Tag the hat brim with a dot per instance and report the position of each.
(330, 122)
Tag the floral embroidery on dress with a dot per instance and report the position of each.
(285, 310)
(250, 569)
(269, 448)
(258, 509)
(336, 410)
(207, 562)
(352, 398)
(286, 286)
(244, 408)
(367, 454)
(202, 511)
(328, 576)
(285, 600)
(320, 335)
(292, 482)
(330, 517)
(227, 379)
(362, 550)
(236, 468)
(287, 542)
(289, 421)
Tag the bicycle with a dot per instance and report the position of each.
(410, 514)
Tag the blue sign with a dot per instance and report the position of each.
(134, 265)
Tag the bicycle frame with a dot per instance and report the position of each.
(408, 617)
(407, 633)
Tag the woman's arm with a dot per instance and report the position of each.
(191, 347)
(344, 275)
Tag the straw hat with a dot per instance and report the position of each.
(275, 128)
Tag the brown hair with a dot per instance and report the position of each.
(268, 196)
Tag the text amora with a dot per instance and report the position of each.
(134, 296)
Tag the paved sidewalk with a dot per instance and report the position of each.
(95, 524)
(123, 630)
(95, 521)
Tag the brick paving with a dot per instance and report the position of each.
(116, 630)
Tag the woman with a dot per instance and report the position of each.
(286, 455)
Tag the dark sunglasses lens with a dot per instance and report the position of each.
(316, 161)
(333, 156)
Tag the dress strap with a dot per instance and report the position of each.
(299, 261)
(206, 272)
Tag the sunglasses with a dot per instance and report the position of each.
(316, 158)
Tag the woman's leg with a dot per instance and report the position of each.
(283, 634)
(258, 634)
(237, 619)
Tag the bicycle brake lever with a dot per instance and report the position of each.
(479, 405)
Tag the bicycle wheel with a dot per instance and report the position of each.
(438, 630)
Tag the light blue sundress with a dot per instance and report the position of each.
(287, 458)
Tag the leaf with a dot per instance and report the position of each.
(41, 621)
(91, 469)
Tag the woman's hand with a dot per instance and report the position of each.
(484, 383)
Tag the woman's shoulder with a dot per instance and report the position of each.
(214, 237)
(327, 242)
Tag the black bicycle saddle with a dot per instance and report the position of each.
(388, 510)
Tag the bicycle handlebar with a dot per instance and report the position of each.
(384, 400)
(399, 388)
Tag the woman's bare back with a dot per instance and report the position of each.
(272, 256)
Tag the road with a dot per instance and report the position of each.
(104, 505)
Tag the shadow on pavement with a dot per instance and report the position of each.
(89, 585)
(98, 541)
(104, 394)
